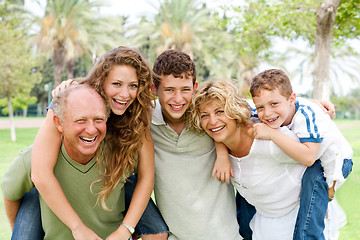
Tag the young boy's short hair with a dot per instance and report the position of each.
(174, 62)
(271, 80)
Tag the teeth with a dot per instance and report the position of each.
(176, 106)
(216, 129)
(120, 102)
(272, 119)
(88, 139)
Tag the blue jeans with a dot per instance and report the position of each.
(28, 220)
(314, 201)
(151, 222)
(244, 213)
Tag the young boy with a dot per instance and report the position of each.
(277, 106)
(192, 203)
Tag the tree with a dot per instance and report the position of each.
(71, 28)
(322, 23)
(186, 25)
(16, 68)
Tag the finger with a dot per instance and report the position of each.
(223, 177)
(227, 178)
(213, 174)
(232, 172)
(218, 175)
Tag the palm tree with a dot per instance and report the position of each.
(187, 25)
(71, 28)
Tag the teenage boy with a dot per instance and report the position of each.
(192, 203)
(277, 106)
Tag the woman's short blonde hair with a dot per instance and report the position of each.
(225, 93)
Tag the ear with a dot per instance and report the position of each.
(58, 124)
(196, 84)
(292, 98)
(154, 89)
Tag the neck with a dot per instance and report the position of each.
(178, 127)
(76, 156)
(242, 142)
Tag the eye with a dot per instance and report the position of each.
(80, 121)
(274, 104)
(133, 85)
(202, 116)
(169, 90)
(116, 84)
(220, 112)
(186, 90)
(100, 120)
(259, 108)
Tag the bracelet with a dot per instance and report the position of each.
(130, 228)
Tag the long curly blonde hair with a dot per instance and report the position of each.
(124, 132)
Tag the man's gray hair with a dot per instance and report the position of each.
(60, 100)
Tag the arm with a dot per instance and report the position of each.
(143, 189)
(42, 175)
(222, 167)
(11, 209)
(304, 153)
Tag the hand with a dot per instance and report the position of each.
(63, 85)
(262, 131)
(222, 170)
(120, 234)
(327, 106)
(332, 191)
(84, 233)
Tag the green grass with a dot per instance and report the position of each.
(8, 151)
(348, 195)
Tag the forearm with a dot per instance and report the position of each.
(42, 172)
(11, 209)
(298, 151)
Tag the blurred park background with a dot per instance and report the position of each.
(316, 42)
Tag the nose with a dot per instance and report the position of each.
(267, 112)
(91, 128)
(177, 96)
(124, 92)
(212, 119)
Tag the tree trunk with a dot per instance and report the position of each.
(70, 66)
(59, 64)
(325, 19)
(11, 118)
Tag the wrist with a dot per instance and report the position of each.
(76, 225)
(129, 228)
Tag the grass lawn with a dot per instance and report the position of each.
(348, 195)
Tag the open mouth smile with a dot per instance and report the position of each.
(120, 104)
(177, 107)
(88, 140)
(272, 120)
(214, 130)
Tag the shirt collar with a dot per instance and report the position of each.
(157, 116)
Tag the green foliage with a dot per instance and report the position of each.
(73, 28)
(187, 25)
(349, 106)
(17, 72)
(18, 102)
(256, 22)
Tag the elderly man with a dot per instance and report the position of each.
(83, 130)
